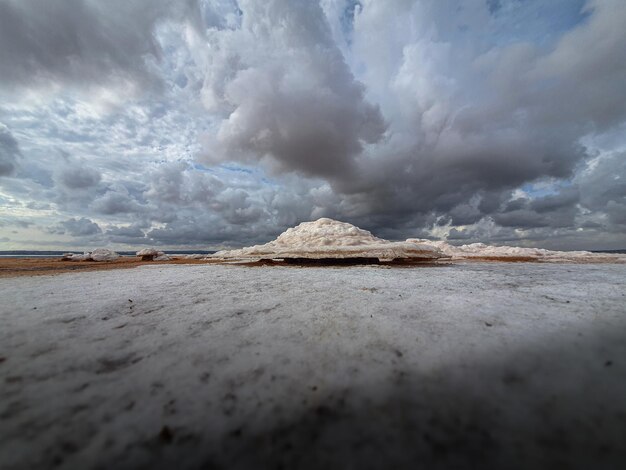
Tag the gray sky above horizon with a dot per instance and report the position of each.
(211, 123)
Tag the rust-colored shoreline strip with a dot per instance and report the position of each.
(14, 267)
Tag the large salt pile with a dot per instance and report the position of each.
(332, 241)
(327, 239)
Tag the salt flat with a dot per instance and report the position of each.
(502, 365)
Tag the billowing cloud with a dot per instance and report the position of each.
(603, 191)
(80, 227)
(115, 201)
(471, 120)
(9, 151)
(130, 234)
(79, 177)
(287, 92)
(84, 41)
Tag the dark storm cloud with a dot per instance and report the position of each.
(192, 230)
(290, 97)
(117, 200)
(551, 203)
(553, 210)
(83, 40)
(79, 227)
(527, 218)
(79, 177)
(209, 231)
(130, 234)
(465, 214)
(459, 235)
(9, 152)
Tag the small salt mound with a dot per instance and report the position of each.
(480, 250)
(99, 254)
(152, 254)
(75, 257)
(103, 254)
(148, 252)
(331, 239)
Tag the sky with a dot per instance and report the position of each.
(203, 124)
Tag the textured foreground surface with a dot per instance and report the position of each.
(465, 366)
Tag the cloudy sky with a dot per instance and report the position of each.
(210, 123)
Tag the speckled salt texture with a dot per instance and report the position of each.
(461, 366)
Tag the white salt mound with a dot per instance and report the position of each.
(103, 254)
(99, 254)
(148, 252)
(153, 254)
(76, 257)
(331, 239)
(480, 250)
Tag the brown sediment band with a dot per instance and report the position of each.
(332, 261)
(504, 259)
(12, 267)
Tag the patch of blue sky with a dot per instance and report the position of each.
(237, 169)
(536, 21)
(347, 19)
(255, 175)
(541, 189)
(200, 167)
(224, 14)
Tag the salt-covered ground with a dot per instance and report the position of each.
(460, 366)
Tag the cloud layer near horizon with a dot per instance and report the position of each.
(208, 122)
